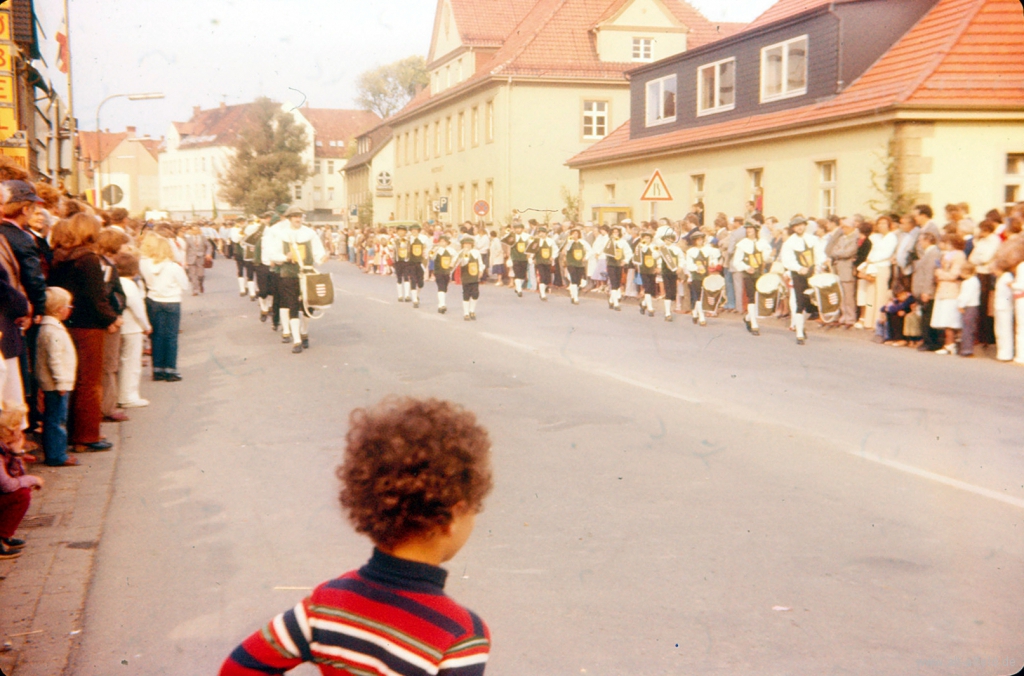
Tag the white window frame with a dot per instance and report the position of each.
(786, 47)
(595, 115)
(643, 49)
(697, 184)
(490, 121)
(827, 191)
(659, 83)
(718, 107)
(1014, 180)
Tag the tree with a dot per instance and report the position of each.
(267, 160)
(385, 89)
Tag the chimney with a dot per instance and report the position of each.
(223, 106)
(195, 111)
(131, 131)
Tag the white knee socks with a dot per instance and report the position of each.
(752, 315)
(574, 292)
(519, 285)
(252, 288)
(472, 306)
(668, 308)
(296, 327)
(543, 290)
(241, 285)
(798, 322)
(285, 325)
(405, 289)
(400, 296)
(440, 298)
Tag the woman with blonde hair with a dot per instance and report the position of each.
(79, 269)
(166, 282)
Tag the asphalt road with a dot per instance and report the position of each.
(669, 499)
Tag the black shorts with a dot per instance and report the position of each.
(670, 281)
(520, 268)
(576, 275)
(471, 291)
(696, 288)
(750, 287)
(442, 279)
(800, 285)
(250, 270)
(650, 284)
(289, 293)
(263, 281)
(240, 264)
(614, 277)
(414, 273)
(544, 273)
(401, 271)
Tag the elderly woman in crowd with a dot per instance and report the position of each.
(79, 269)
(946, 312)
(875, 272)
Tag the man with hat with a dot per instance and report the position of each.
(295, 249)
(577, 254)
(748, 260)
(545, 252)
(517, 242)
(261, 265)
(470, 264)
(401, 248)
(443, 256)
(646, 258)
(617, 253)
(671, 258)
(419, 247)
(801, 253)
(701, 259)
(18, 210)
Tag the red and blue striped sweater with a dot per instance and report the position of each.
(389, 618)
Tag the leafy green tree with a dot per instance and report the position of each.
(385, 89)
(267, 160)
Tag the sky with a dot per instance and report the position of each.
(203, 52)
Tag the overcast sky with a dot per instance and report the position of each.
(202, 52)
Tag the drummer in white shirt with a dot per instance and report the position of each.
(748, 261)
(801, 255)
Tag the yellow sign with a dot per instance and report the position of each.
(6, 65)
(6, 89)
(656, 190)
(8, 123)
(5, 25)
(20, 155)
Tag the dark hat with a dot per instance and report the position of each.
(576, 229)
(797, 220)
(445, 237)
(542, 228)
(402, 227)
(294, 211)
(669, 235)
(517, 224)
(752, 224)
(466, 238)
(415, 226)
(696, 234)
(647, 233)
(21, 191)
(268, 214)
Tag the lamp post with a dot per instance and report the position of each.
(99, 145)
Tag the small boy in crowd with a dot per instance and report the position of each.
(56, 365)
(896, 314)
(15, 486)
(413, 479)
(969, 302)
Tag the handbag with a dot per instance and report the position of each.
(207, 261)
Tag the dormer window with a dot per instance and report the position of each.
(643, 50)
(716, 87)
(661, 101)
(784, 70)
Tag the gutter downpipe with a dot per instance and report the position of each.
(508, 149)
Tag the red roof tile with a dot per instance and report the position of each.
(379, 138)
(341, 126)
(961, 54)
(487, 22)
(216, 127)
(785, 9)
(702, 31)
(97, 146)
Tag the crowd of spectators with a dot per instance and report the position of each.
(80, 288)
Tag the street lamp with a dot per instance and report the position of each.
(130, 97)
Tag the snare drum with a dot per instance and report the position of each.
(768, 288)
(828, 293)
(714, 293)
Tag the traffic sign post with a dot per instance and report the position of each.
(481, 208)
(656, 190)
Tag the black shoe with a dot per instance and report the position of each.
(263, 317)
(519, 293)
(472, 315)
(172, 377)
(305, 342)
(242, 293)
(95, 447)
(252, 298)
(466, 318)
(801, 341)
(13, 543)
(415, 303)
(8, 553)
(441, 310)
(668, 318)
(747, 322)
(695, 320)
(286, 338)
(275, 327)
(650, 313)
(544, 298)
(643, 310)
(755, 332)
(297, 349)
(617, 308)
(159, 375)
(575, 301)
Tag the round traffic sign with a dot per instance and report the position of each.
(112, 194)
(482, 208)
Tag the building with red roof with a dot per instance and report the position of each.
(516, 87)
(822, 107)
(121, 168)
(198, 151)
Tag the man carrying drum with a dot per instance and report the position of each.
(701, 259)
(671, 259)
(577, 254)
(801, 254)
(617, 253)
(749, 260)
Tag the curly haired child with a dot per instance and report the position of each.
(414, 476)
(15, 485)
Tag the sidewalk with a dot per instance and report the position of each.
(42, 593)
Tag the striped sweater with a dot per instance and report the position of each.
(389, 618)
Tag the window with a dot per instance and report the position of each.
(784, 70)
(298, 191)
(416, 145)
(490, 121)
(643, 49)
(490, 193)
(1014, 178)
(462, 202)
(462, 131)
(448, 135)
(447, 76)
(609, 192)
(317, 195)
(697, 183)
(316, 166)
(595, 119)
(661, 100)
(716, 87)
(827, 188)
(437, 138)
(330, 194)
(204, 164)
(330, 166)
(755, 176)
(474, 126)
(426, 142)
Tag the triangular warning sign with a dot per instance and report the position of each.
(656, 190)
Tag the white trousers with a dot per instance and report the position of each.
(131, 368)
(1018, 306)
(1004, 334)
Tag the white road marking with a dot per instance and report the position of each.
(378, 300)
(892, 464)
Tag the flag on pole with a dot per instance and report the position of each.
(63, 54)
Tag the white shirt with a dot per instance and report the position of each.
(746, 247)
(166, 281)
(970, 293)
(301, 235)
(797, 244)
(135, 319)
(883, 248)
